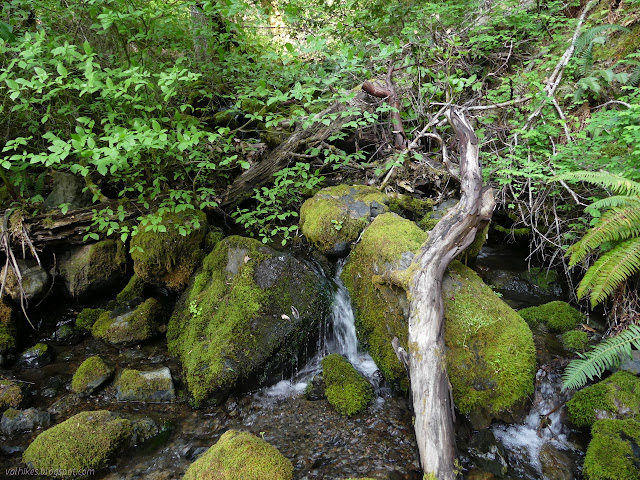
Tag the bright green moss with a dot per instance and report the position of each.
(87, 317)
(226, 325)
(389, 243)
(85, 441)
(7, 328)
(327, 221)
(10, 394)
(615, 397)
(169, 258)
(575, 340)
(406, 204)
(490, 351)
(558, 316)
(138, 385)
(613, 453)
(91, 371)
(132, 290)
(139, 325)
(240, 456)
(346, 389)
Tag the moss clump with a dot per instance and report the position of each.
(613, 453)
(389, 243)
(615, 397)
(214, 235)
(7, 328)
(85, 441)
(92, 373)
(132, 290)
(10, 394)
(347, 390)
(240, 456)
(490, 351)
(134, 326)
(229, 324)
(575, 340)
(416, 207)
(335, 216)
(152, 386)
(169, 258)
(87, 317)
(559, 316)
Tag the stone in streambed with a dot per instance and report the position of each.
(145, 386)
(91, 375)
(15, 421)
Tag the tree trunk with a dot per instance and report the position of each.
(430, 388)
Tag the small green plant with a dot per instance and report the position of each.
(195, 309)
(337, 224)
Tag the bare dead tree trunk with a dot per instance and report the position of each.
(430, 388)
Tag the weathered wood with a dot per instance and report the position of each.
(430, 388)
(302, 139)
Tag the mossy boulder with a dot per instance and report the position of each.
(558, 316)
(10, 394)
(88, 440)
(614, 452)
(132, 289)
(88, 317)
(90, 269)
(7, 329)
(129, 325)
(145, 386)
(15, 421)
(345, 388)
(248, 311)
(335, 216)
(240, 456)
(91, 375)
(490, 350)
(575, 340)
(36, 281)
(168, 255)
(37, 356)
(616, 397)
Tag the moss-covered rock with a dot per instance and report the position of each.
(132, 290)
(240, 456)
(167, 258)
(251, 308)
(346, 389)
(91, 268)
(36, 281)
(87, 440)
(37, 356)
(129, 326)
(559, 316)
(491, 355)
(145, 386)
(614, 452)
(91, 375)
(616, 397)
(575, 340)
(334, 218)
(10, 394)
(7, 328)
(87, 317)
(15, 421)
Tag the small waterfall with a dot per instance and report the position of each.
(340, 338)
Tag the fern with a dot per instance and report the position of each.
(634, 78)
(588, 37)
(608, 180)
(605, 355)
(615, 201)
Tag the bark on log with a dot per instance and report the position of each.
(431, 391)
(302, 139)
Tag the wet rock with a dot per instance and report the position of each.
(91, 375)
(86, 440)
(65, 334)
(243, 456)
(69, 190)
(15, 421)
(533, 282)
(168, 258)
(125, 326)
(334, 217)
(632, 364)
(315, 389)
(555, 464)
(10, 394)
(37, 356)
(131, 291)
(36, 281)
(487, 454)
(90, 269)
(150, 386)
(250, 312)
(65, 405)
(146, 428)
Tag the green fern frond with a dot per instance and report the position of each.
(615, 201)
(616, 224)
(615, 183)
(589, 36)
(604, 355)
(613, 268)
(634, 78)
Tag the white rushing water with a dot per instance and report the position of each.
(340, 339)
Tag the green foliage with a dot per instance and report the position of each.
(607, 354)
